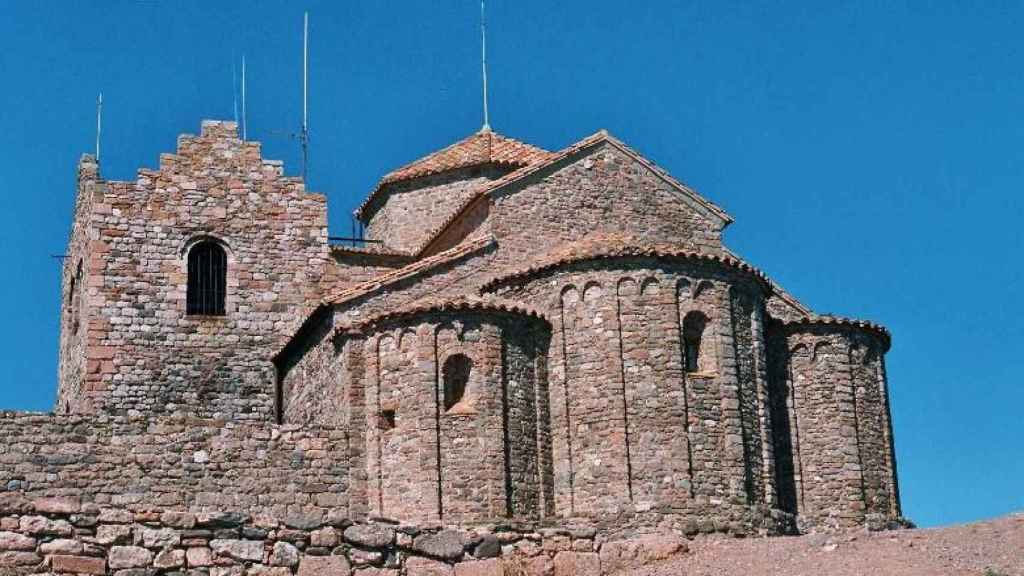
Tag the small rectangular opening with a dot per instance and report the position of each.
(387, 420)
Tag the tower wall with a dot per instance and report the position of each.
(143, 353)
(833, 427)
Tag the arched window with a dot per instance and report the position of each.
(207, 279)
(456, 376)
(693, 331)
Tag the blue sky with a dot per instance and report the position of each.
(872, 154)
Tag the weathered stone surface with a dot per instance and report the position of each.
(417, 566)
(78, 564)
(59, 546)
(446, 544)
(489, 567)
(489, 547)
(284, 554)
(107, 534)
(17, 558)
(199, 557)
(166, 559)
(57, 505)
(374, 571)
(251, 550)
(129, 557)
(14, 503)
(180, 520)
(324, 566)
(15, 541)
(574, 563)
(326, 537)
(624, 554)
(370, 535)
(157, 538)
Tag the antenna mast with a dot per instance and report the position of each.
(234, 89)
(245, 124)
(304, 134)
(483, 63)
(99, 124)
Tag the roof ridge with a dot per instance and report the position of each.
(479, 148)
(407, 271)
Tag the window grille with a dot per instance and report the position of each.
(207, 279)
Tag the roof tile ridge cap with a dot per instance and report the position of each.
(509, 178)
(626, 250)
(835, 319)
(456, 304)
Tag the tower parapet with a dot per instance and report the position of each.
(192, 271)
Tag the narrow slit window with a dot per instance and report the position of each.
(387, 420)
(456, 376)
(207, 279)
(693, 332)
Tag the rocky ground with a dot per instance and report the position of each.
(991, 548)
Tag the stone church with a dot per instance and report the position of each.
(517, 333)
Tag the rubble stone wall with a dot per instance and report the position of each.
(604, 191)
(411, 210)
(74, 306)
(143, 353)
(630, 432)
(837, 413)
(178, 463)
(57, 536)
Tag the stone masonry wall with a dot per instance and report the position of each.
(631, 434)
(57, 536)
(604, 191)
(837, 415)
(176, 463)
(74, 304)
(143, 353)
(411, 210)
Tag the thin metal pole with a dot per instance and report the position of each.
(234, 89)
(245, 123)
(99, 124)
(304, 136)
(305, 70)
(483, 62)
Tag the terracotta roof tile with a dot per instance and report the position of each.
(831, 320)
(484, 147)
(610, 246)
(408, 271)
(461, 304)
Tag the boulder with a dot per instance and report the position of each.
(129, 557)
(446, 544)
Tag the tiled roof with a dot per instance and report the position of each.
(613, 246)
(484, 147)
(455, 305)
(408, 271)
(554, 157)
(830, 320)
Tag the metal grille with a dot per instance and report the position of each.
(207, 279)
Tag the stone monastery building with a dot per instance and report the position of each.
(525, 334)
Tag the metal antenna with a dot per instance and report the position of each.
(99, 124)
(304, 134)
(234, 89)
(483, 63)
(245, 123)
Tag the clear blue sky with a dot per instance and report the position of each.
(872, 154)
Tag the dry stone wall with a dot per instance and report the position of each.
(176, 463)
(58, 536)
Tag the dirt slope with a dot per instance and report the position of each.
(969, 549)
